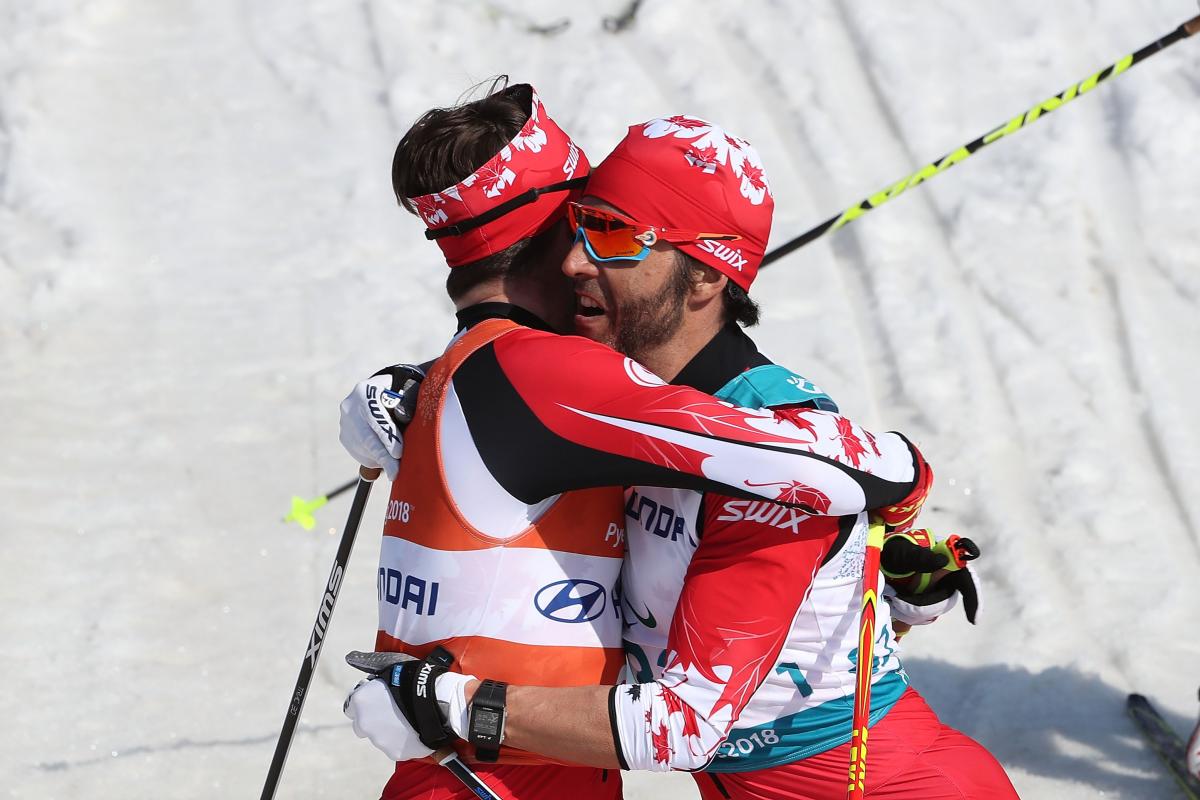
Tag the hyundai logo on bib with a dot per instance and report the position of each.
(571, 600)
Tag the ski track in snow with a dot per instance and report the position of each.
(199, 246)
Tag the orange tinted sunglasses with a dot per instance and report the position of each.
(608, 236)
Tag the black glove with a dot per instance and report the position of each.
(925, 574)
(902, 556)
(411, 682)
(401, 399)
(918, 609)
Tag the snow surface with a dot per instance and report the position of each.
(199, 255)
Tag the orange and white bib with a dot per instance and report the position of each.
(517, 592)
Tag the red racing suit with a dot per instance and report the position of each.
(750, 674)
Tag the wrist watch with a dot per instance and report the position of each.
(485, 726)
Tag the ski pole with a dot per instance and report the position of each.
(378, 664)
(865, 664)
(449, 759)
(302, 510)
(996, 134)
(316, 639)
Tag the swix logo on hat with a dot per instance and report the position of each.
(687, 173)
(540, 154)
(729, 255)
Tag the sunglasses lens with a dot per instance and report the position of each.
(608, 236)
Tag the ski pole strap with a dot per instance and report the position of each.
(1013, 125)
(411, 684)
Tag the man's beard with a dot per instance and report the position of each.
(649, 322)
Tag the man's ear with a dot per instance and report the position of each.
(707, 283)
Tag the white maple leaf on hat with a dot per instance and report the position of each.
(754, 179)
(494, 176)
(747, 165)
(703, 158)
(711, 146)
(429, 206)
(680, 126)
(534, 140)
(754, 183)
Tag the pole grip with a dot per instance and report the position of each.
(1192, 26)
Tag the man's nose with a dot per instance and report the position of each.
(577, 264)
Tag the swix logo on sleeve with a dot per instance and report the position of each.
(727, 254)
(763, 512)
(317, 637)
(571, 600)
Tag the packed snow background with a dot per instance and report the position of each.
(200, 255)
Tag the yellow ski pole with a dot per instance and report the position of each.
(1013, 125)
(866, 664)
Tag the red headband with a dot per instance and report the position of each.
(541, 155)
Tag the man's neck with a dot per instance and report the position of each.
(516, 293)
(491, 292)
(669, 358)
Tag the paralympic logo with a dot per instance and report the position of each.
(571, 600)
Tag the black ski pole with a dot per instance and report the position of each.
(345, 487)
(446, 757)
(302, 509)
(316, 639)
(961, 154)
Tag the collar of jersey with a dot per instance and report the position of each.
(473, 315)
(727, 355)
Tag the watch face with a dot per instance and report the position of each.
(486, 722)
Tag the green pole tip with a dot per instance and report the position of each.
(302, 509)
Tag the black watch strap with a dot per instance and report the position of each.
(485, 727)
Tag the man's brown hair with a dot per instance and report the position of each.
(447, 145)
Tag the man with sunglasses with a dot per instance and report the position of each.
(480, 557)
